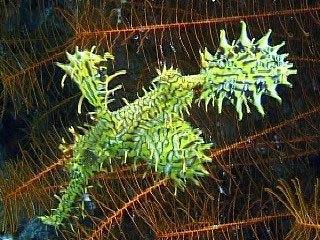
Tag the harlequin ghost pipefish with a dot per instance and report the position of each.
(152, 128)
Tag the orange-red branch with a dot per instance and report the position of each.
(197, 23)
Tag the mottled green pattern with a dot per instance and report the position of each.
(152, 129)
(244, 71)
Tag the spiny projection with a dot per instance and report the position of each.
(152, 128)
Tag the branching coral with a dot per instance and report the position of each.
(152, 128)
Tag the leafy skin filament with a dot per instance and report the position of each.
(152, 128)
